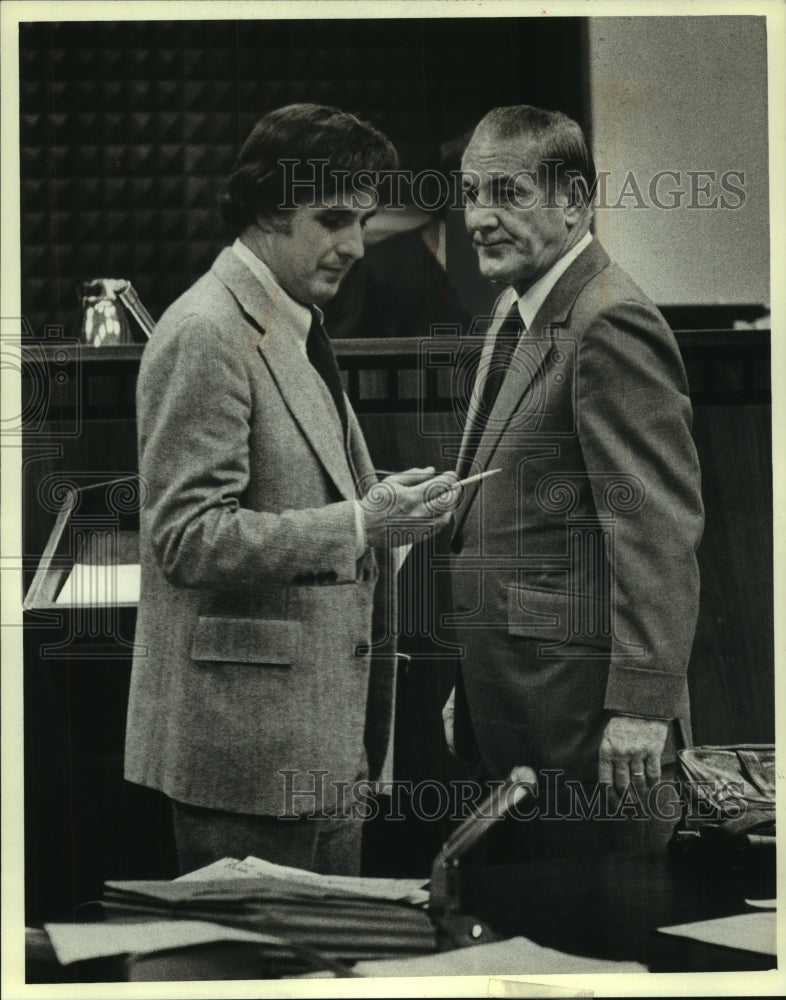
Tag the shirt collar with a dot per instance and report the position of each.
(530, 302)
(298, 315)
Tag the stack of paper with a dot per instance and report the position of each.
(405, 890)
(341, 918)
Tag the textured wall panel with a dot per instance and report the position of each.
(127, 130)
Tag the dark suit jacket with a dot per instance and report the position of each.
(255, 617)
(575, 581)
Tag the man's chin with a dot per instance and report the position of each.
(323, 293)
(492, 272)
(328, 285)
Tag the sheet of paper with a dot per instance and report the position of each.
(77, 942)
(515, 957)
(398, 556)
(410, 890)
(748, 931)
(89, 584)
(763, 904)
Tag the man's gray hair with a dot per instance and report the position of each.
(555, 137)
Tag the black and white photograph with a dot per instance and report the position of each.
(389, 498)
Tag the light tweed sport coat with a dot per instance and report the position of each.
(262, 641)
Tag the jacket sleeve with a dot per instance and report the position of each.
(635, 420)
(194, 405)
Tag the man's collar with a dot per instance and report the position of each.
(298, 315)
(530, 302)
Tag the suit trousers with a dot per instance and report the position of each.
(324, 845)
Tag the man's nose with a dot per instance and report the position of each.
(478, 216)
(350, 243)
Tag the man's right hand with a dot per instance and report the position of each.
(416, 495)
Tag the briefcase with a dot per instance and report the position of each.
(728, 801)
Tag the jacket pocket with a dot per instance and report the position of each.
(245, 640)
(559, 617)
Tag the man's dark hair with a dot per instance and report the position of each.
(259, 185)
(555, 137)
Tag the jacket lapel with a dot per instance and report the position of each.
(527, 364)
(291, 371)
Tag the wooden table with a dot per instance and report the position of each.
(610, 906)
(604, 907)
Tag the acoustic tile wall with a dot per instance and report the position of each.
(127, 129)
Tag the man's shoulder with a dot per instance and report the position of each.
(201, 322)
(208, 297)
(612, 289)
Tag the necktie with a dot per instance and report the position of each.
(505, 344)
(320, 353)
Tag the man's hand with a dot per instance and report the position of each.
(416, 495)
(631, 751)
(449, 722)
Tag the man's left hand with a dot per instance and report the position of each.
(631, 751)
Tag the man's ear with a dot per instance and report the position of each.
(271, 222)
(574, 213)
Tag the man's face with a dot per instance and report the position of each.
(515, 233)
(310, 258)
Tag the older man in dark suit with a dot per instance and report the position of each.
(575, 579)
(262, 681)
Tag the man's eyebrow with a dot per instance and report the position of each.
(346, 210)
(500, 180)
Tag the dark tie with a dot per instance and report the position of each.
(504, 345)
(320, 354)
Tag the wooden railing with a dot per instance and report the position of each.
(63, 381)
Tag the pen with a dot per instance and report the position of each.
(459, 482)
(474, 479)
(443, 489)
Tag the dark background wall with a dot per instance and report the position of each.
(128, 129)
